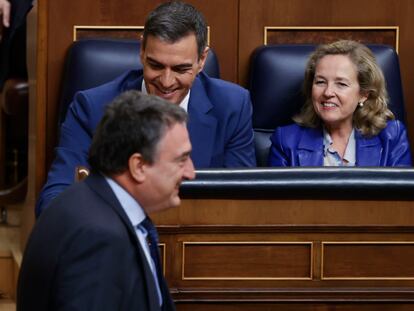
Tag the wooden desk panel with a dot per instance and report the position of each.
(252, 212)
(374, 260)
(246, 260)
(312, 253)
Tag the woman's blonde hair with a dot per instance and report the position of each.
(372, 117)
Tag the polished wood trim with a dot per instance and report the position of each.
(293, 294)
(185, 243)
(163, 247)
(340, 28)
(280, 228)
(5, 253)
(81, 172)
(77, 28)
(324, 244)
(15, 194)
(8, 275)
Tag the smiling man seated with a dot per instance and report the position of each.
(173, 52)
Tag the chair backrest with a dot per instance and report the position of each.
(275, 84)
(92, 62)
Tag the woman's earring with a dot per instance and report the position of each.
(360, 104)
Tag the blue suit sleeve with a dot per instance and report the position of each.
(75, 139)
(399, 153)
(239, 150)
(277, 156)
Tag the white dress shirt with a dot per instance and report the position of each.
(331, 156)
(183, 104)
(136, 215)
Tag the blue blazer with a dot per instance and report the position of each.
(84, 254)
(219, 126)
(294, 145)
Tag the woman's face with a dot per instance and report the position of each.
(335, 91)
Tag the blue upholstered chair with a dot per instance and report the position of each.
(91, 62)
(276, 76)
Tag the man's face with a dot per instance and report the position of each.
(172, 165)
(170, 68)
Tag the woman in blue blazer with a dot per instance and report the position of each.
(345, 120)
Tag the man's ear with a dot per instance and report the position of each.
(203, 58)
(141, 55)
(141, 50)
(136, 167)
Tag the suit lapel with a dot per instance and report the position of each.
(99, 185)
(368, 150)
(133, 81)
(310, 147)
(201, 125)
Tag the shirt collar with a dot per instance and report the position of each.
(184, 102)
(131, 207)
(350, 150)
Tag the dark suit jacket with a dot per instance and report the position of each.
(13, 42)
(294, 145)
(219, 125)
(83, 254)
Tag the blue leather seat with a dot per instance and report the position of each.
(92, 62)
(275, 82)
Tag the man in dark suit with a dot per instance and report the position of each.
(173, 53)
(88, 251)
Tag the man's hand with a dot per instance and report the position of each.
(5, 12)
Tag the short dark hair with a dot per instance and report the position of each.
(132, 123)
(171, 21)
